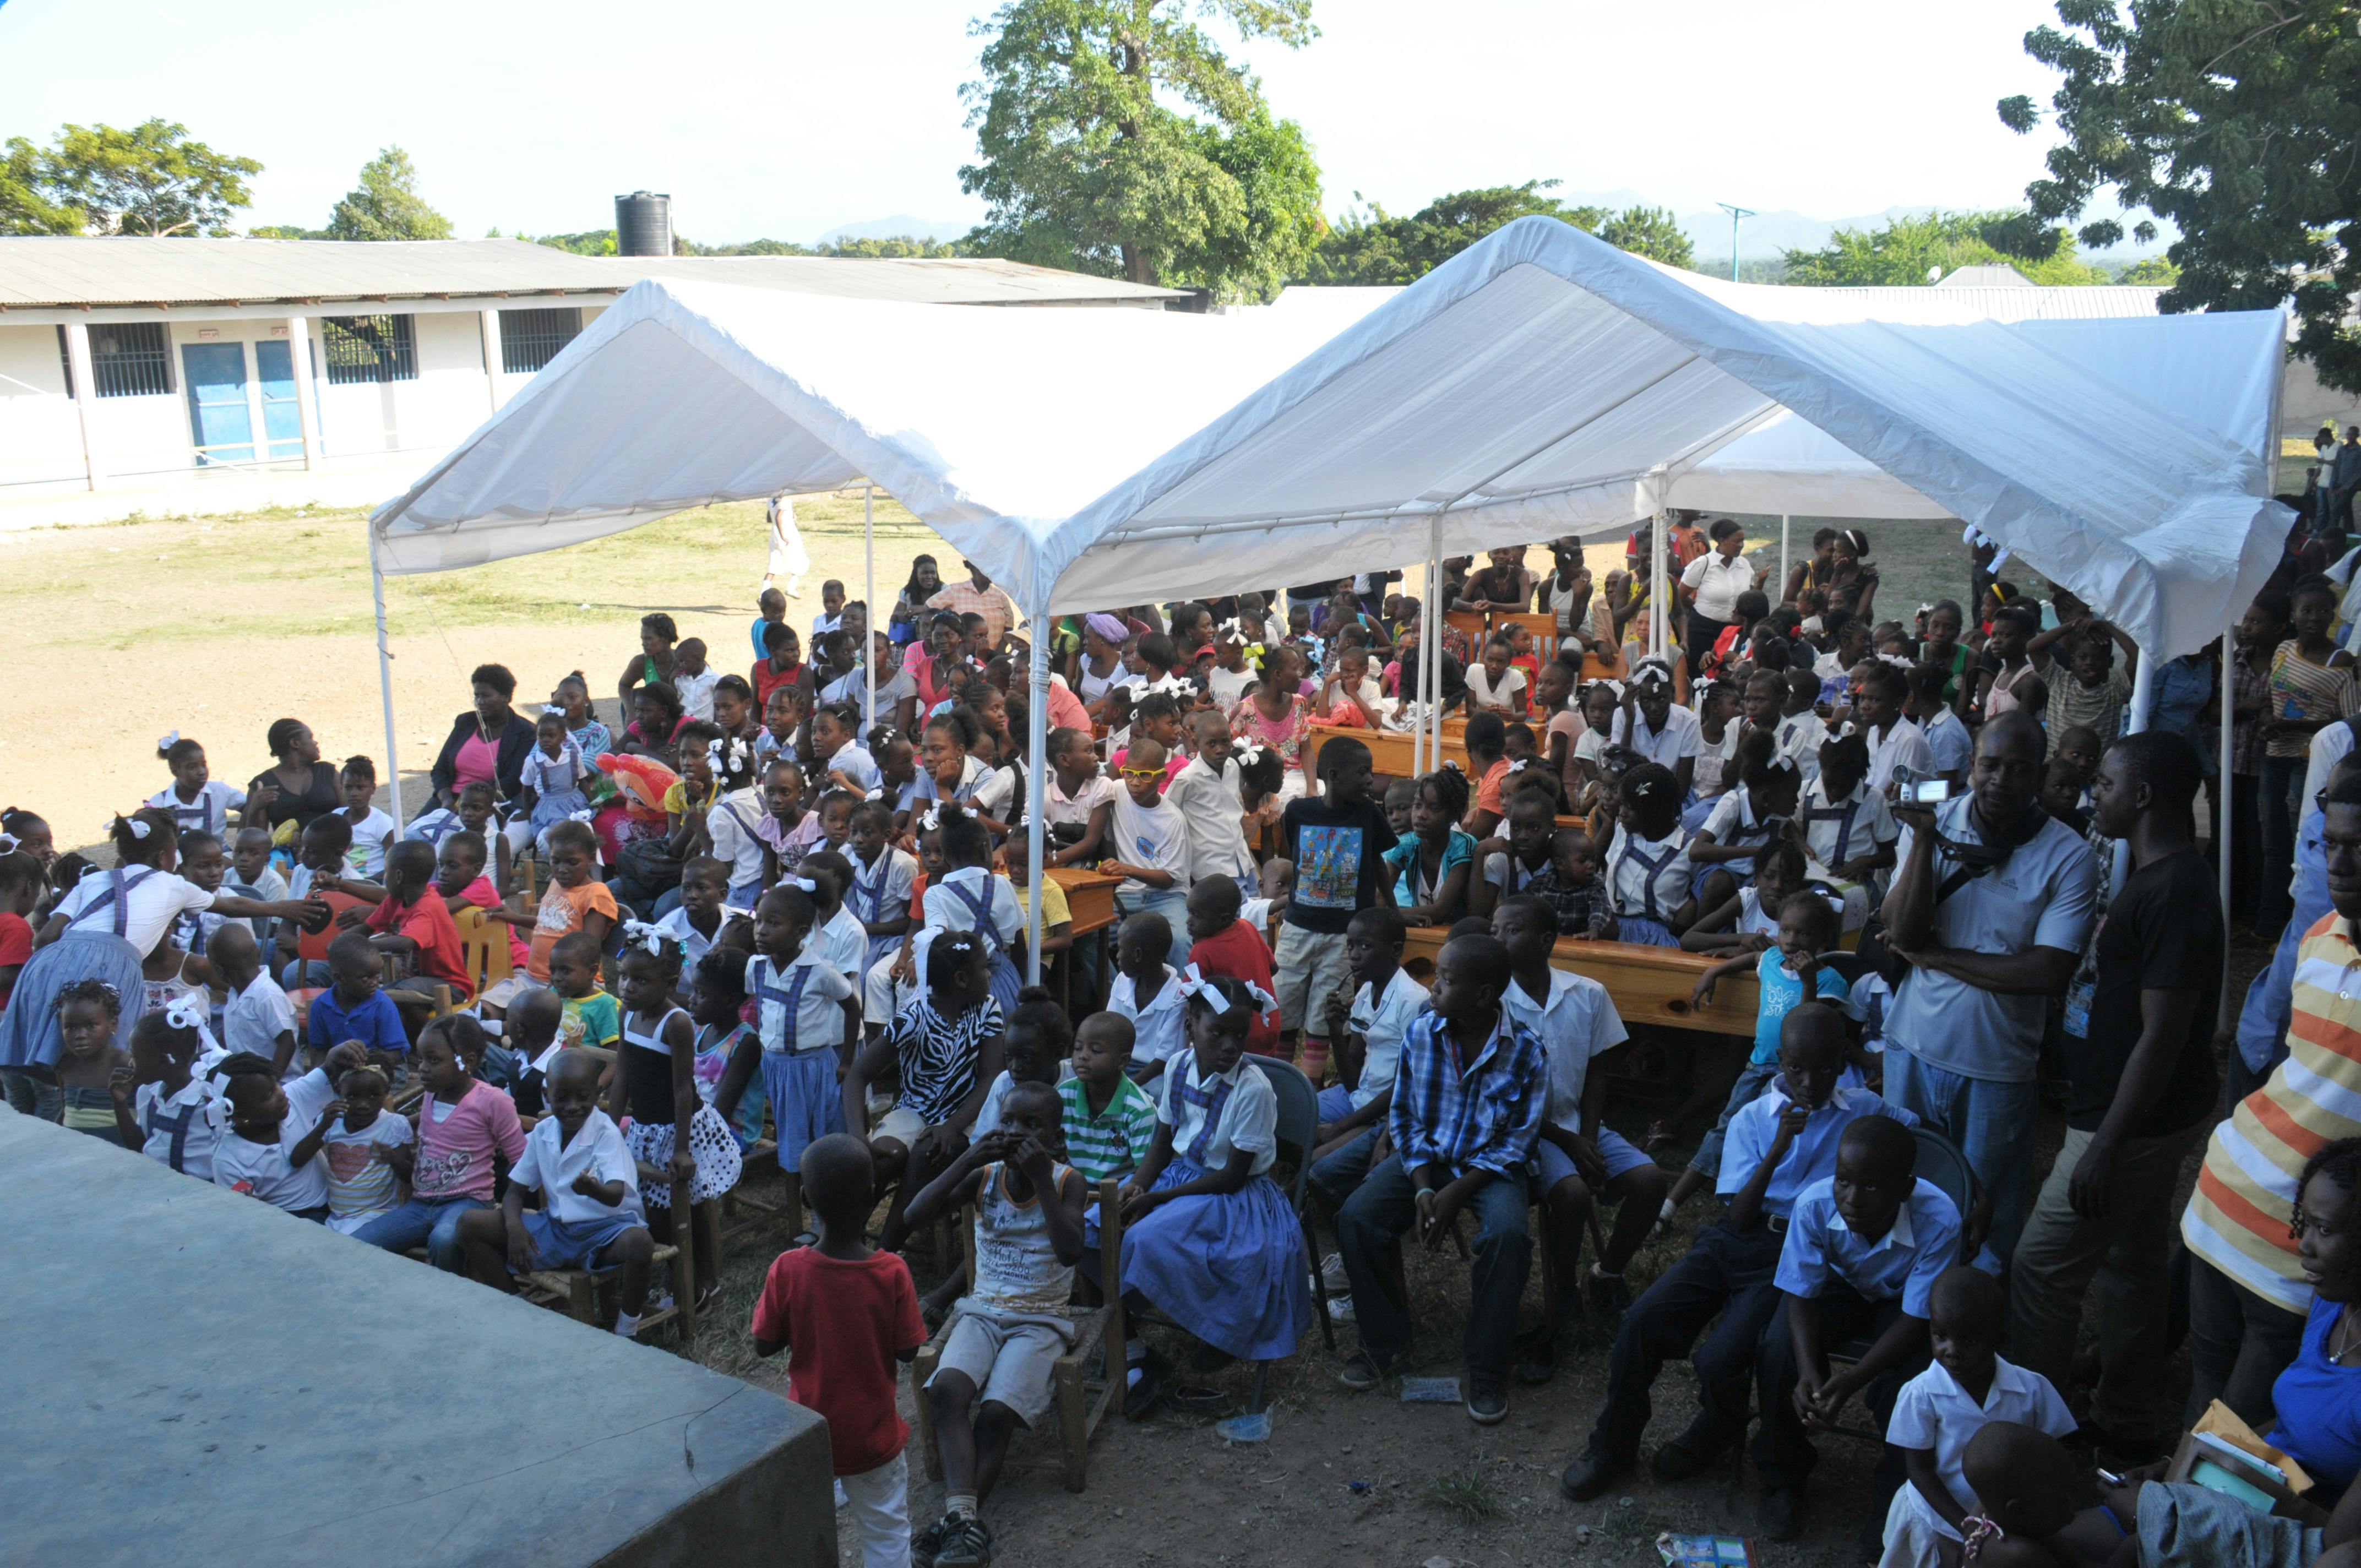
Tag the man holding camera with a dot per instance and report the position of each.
(1991, 905)
(2138, 1054)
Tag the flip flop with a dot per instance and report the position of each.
(1196, 1399)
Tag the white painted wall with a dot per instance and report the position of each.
(39, 439)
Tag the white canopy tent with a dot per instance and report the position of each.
(1541, 383)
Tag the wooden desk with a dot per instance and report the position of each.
(1391, 750)
(1090, 896)
(1649, 985)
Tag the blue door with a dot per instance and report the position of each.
(216, 375)
(282, 416)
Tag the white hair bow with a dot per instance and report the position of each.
(192, 1011)
(588, 814)
(1195, 983)
(1173, 686)
(650, 939)
(731, 747)
(139, 826)
(1652, 670)
(803, 882)
(549, 709)
(1615, 686)
(931, 819)
(1897, 660)
(1519, 765)
(1453, 763)
(8, 843)
(1250, 753)
(169, 741)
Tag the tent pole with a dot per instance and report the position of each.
(385, 680)
(2229, 1010)
(1037, 726)
(868, 655)
(2135, 720)
(1432, 689)
(1783, 553)
(1657, 586)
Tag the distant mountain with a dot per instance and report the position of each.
(902, 224)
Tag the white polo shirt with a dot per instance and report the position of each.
(1575, 1022)
(1682, 736)
(1209, 807)
(552, 1165)
(1381, 1022)
(1714, 583)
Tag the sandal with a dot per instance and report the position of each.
(1659, 1134)
(1196, 1399)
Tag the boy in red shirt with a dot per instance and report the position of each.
(1222, 944)
(845, 1315)
(412, 919)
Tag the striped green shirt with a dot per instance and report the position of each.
(1114, 1142)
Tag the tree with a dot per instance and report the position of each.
(387, 204)
(1904, 250)
(1116, 138)
(150, 179)
(1380, 248)
(2237, 121)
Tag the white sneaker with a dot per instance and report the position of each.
(1333, 1278)
(1340, 1309)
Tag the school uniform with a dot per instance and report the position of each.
(1861, 1286)
(1800, 737)
(1839, 832)
(1726, 1278)
(430, 827)
(571, 1228)
(256, 1018)
(208, 813)
(802, 1023)
(1382, 1020)
(263, 1170)
(1648, 880)
(842, 942)
(1229, 1268)
(1932, 1411)
(1574, 1021)
(183, 1129)
(1734, 825)
(1157, 1029)
(880, 892)
(694, 943)
(734, 824)
(853, 760)
(1899, 745)
(1953, 748)
(978, 899)
(1682, 736)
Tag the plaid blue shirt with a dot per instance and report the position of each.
(1483, 1119)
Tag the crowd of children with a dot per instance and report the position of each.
(815, 927)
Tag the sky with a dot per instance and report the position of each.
(785, 118)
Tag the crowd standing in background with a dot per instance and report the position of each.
(1972, 907)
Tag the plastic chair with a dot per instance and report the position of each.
(484, 948)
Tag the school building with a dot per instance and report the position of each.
(174, 376)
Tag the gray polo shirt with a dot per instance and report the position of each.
(2044, 896)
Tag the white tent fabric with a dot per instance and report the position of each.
(1542, 382)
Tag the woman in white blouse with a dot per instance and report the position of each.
(1711, 586)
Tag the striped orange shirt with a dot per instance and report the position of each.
(2237, 1218)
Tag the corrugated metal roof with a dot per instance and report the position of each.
(47, 271)
(1985, 275)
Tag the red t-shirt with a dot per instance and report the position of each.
(768, 680)
(847, 1327)
(1241, 954)
(15, 947)
(428, 923)
(483, 896)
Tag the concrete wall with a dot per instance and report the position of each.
(195, 1377)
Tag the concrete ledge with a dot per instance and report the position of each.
(194, 1377)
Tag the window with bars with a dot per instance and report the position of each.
(362, 350)
(531, 339)
(128, 359)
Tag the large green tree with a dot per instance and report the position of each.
(1116, 138)
(149, 180)
(1908, 250)
(1378, 247)
(386, 204)
(2238, 120)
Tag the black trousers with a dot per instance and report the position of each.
(1782, 1453)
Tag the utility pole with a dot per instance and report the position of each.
(1735, 213)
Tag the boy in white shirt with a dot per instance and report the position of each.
(1147, 991)
(694, 679)
(1206, 794)
(1149, 846)
(1367, 1039)
(1579, 1160)
(1802, 731)
(271, 1149)
(1894, 743)
(589, 1185)
(258, 1018)
(703, 911)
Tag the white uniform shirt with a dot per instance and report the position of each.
(1575, 1022)
(149, 906)
(695, 944)
(697, 692)
(1801, 736)
(1628, 878)
(819, 1021)
(1682, 736)
(552, 1164)
(1381, 1022)
(257, 1016)
(881, 888)
(1933, 1411)
(1157, 1032)
(731, 822)
(193, 1120)
(1209, 807)
(1953, 748)
(1834, 840)
(1900, 744)
(1248, 1122)
(844, 944)
(208, 813)
(853, 760)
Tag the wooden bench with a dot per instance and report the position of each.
(1648, 985)
(576, 1292)
(1391, 750)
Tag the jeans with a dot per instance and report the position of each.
(1339, 1176)
(2128, 1254)
(422, 1220)
(1992, 1123)
(2282, 777)
(1724, 1271)
(1784, 1454)
(2238, 1346)
(1381, 1209)
(302, 974)
(1172, 903)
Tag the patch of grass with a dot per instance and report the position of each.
(1470, 1496)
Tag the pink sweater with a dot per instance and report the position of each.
(454, 1154)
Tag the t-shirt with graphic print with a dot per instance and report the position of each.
(1337, 852)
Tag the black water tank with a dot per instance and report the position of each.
(643, 223)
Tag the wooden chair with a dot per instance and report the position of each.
(575, 1291)
(1468, 622)
(1082, 1402)
(1542, 626)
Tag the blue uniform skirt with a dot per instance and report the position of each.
(807, 1101)
(1229, 1269)
(29, 1029)
(1647, 932)
(1005, 981)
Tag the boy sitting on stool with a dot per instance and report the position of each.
(1777, 1146)
(1863, 1253)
